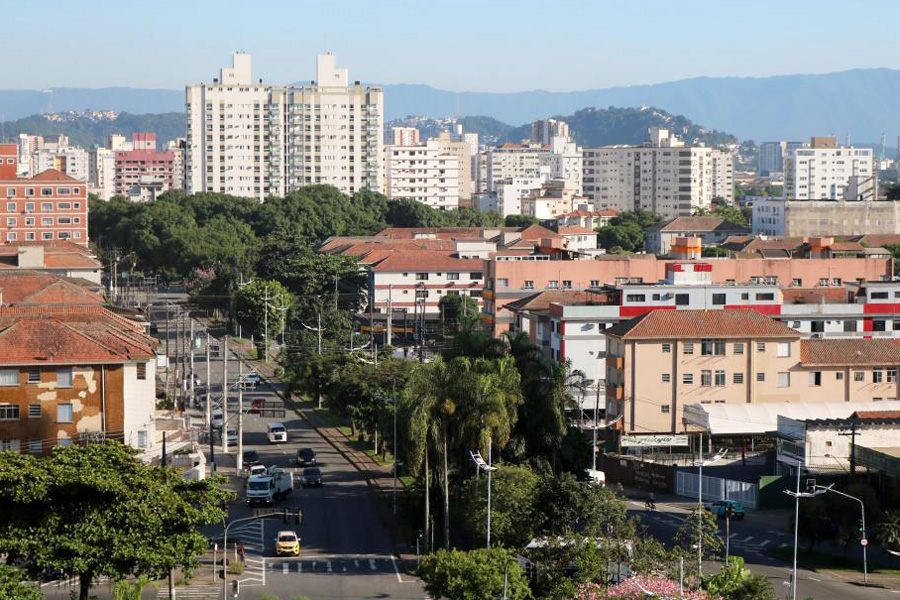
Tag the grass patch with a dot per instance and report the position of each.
(326, 415)
(236, 567)
(370, 452)
(821, 561)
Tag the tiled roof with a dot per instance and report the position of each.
(846, 247)
(426, 261)
(34, 287)
(877, 414)
(70, 335)
(543, 300)
(52, 175)
(699, 224)
(850, 352)
(536, 232)
(576, 231)
(694, 324)
(590, 213)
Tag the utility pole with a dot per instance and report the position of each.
(208, 384)
(390, 318)
(240, 443)
(225, 396)
(372, 323)
(596, 411)
(854, 425)
(266, 312)
(191, 348)
(168, 360)
(319, 334)
(177, 359)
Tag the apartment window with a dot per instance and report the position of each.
(567, 284)
(142, 371)
(455, 277)
(46, 191)
(64, 442)
(64, 413)
(635, 297)
(142, 438)
(737, 378)
(760, 346)
(667, 347)
(765, 296)
(34, 375)
(892, 375)
(877, 376)
(422, 276)
(745, 295)
(815, 378)
(839, 375)
(784, 349)
(712, 347)
(34, 411)
(11, 193)
(665, 408)
(688, 347)
(46, 207)
(476, 275)
(29, 207)
(46, 221)
(877, 295)
(595, 283)
(64, 378)
(10, 446)
(666, 378)
(9, 412)
(528, 285)
(797, 282)
(9, 377)
(34, 446)
(687, 379)
(718, 299)
(10, 221)
(30, 192)
(836, 281)
(720, 378)
(706, 378)
(64, 205)
(739, 348)
(760, 377)
(10, 207)
(784, 379)
(47, 235)
(850, 325)
(682, 299)
(859, 376)
(552, 285)
(502, 282)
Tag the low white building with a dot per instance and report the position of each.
(578, 238)
(424, 173)
(826, 171)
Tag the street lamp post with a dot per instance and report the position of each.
(862, 522)
(797, 495)
(486, 466)
(700, 463)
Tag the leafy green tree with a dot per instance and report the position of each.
(458, 312)
(887, 531)
(513, 509)
(13, 586)
(473, 575)
(728, 213)
(97, 510)
(736, 582)
(626, 231)
(688, 534)
(250, 307)
(520, 221)
(892, 191)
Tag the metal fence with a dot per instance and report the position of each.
(716, 488)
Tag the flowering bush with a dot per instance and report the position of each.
(660, 587)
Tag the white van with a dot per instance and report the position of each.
(277, 433)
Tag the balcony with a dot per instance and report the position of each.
(616, 392)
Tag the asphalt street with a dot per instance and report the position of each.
(750, 540)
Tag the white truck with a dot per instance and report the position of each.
(269, 487)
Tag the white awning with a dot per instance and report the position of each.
(751, 419)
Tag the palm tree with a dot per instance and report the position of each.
(560, 387)
(431, 404)
(887, 532)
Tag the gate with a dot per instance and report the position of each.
(716, 488)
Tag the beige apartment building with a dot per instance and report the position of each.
(663, 360)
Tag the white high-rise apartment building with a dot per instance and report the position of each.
(252, 139)
(102, 176)
(542, 132)
(566, 162)
(723, 175)
(70, 160)
(511, 161)
(404, 136)
(826, 171)
(662, 175)
(425, 173)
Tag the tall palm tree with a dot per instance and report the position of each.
(888, 531)
(561, 387)
(431, 404)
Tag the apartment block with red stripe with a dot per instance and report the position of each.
(47, 207)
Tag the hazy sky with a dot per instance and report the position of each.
(462, 45)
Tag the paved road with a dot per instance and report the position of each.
(751, 541)
(347, 551)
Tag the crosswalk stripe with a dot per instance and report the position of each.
(372, 563)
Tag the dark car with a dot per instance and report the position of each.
(720, 508)
(306, 457)
(251, 457)
(312, 477)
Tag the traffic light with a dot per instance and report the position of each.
(810, 486)
(729, 511)
(236, 587)
(861, 527)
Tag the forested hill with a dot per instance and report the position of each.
(87, 132)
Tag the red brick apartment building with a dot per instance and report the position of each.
(49, 206)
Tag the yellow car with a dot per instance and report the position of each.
(287, 544)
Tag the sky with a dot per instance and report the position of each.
(463, 45)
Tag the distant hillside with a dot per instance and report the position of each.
(590, 127)
(859, 102)
(87, 133)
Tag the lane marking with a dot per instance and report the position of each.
(784, 545)
(299, 567)
(765, 543)
(284, 567)
(372, 563)
(328, 566)
(748, 538)
(396, 570)
(356, 563)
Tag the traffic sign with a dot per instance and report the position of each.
(864, 542)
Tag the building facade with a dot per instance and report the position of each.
(826, 171)
(424, 173)
(256, 140)
(800, 218)
(49, 206)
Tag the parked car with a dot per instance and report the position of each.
(277, 433)
(306, 457)
(720, 508)
(287, 544)
(250, 458)
(252, 379)
(218, 418)
(232, 437)
(256, 405)
(312, 477)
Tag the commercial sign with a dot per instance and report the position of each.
(649, 441)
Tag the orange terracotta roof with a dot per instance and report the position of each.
(823, 295)
(34, 287)
(576, 231)
(850, 352)
(426, 261)
(876, 414)
(846, 247)
(591, 213)
(543, 300)
(52, 175)
(70, 335)
(696, 324)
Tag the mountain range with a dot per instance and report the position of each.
(860, 103)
